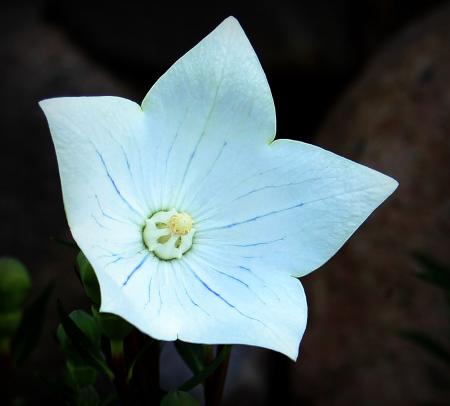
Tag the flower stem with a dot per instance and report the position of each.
(6, 369)
(117, 349)
(145, 378)
(215, 383)
(119, 368)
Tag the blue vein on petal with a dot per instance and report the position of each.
(256, 243)
(192, 300)
(138, 266)
(149, 292)
(98, 222)
(221, 297)
(269, 187)
(238, 223)
(159, 294)
(177, 133)
(206, 175)
(216, 160)
(114, 184)
(233, 187)
(126, 160)
(246, 269)
(199, 257)
(107, 215)
(120, 257)
(205, 127)
(234, 278)
(175, 286)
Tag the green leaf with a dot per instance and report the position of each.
(64, 242)
(86, 323)
(429, 344)
(9, 323)
(433, 272)
(87, 396)
(88, 279)
(179, 398)
(90, 328)
(114, 327)
(15, 284)
(204, 373)
(85, 347)
(110, 400)
(192, 354)
(81, 376)
(31, 326)
(141, 352)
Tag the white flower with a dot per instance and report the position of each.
(196, 222)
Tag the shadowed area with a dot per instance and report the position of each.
(369, 81)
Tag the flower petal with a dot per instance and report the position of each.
(296, 209)
(211, 105)
(201, 144)
(205, 298)
(98, 141)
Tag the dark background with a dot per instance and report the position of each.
(367, 79)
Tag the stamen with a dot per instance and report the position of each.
(164, 239)
(169, 234)
(180, 223)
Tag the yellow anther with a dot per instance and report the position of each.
(169, 234)
(180, 223)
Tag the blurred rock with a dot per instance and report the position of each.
(396, 119)
(309, 49)
(38, 62)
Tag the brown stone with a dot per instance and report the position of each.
(37, 62)
(395, 119)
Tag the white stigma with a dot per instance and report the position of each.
(168, 234)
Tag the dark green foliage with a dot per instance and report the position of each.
(179, 398)
(193, 355)
(89, 328)
(114, 327)
(15, 284)
(429, 344)
(85, 346)
(438, 348)
(88, 279)
(102, 344)
(31, 326)
(433, 272)
(201, 376)
(87, 396)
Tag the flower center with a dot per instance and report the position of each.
(168, 234)
(180, 223)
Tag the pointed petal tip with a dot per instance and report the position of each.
(231, 24)
(231, 21)
(43, 104)
(292, 355)
(291, 350)
(390, 185)
(293, 358)
(394, 184)
(51, 102)
(49, 107)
